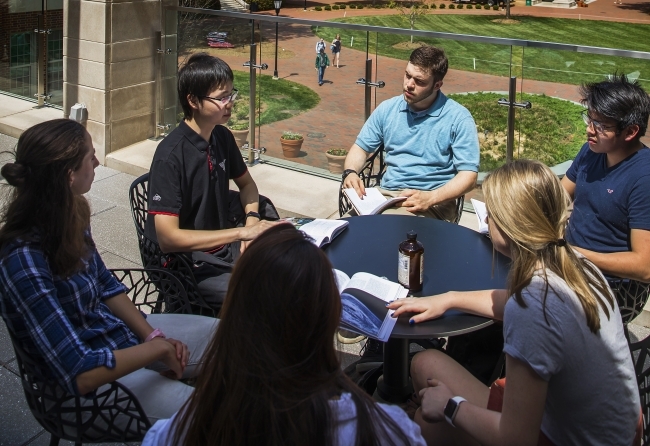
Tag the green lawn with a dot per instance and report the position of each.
(540, 64)
(552, 131)
(281, 99)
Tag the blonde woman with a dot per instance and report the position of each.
(570, 378)
(336, 50)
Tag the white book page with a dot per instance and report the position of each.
(367, 204)
(481, 215)
(341, 279)
(322, 230)
(381, 288)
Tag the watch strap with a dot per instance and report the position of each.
(347, 172)
(253, 214)
(451, 409)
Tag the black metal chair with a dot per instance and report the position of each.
(371, 173)
(631, 296)
(114, 413)
(641, 358)
(180, 264)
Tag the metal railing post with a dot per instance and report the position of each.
(511, 104)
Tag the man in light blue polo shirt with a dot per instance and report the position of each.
(431, 144)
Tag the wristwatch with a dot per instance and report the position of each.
(451, 409)
(347, 172)
(253, 214)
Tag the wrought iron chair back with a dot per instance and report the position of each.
(114, 413)
(180, 264)
(631, 296)
(371, 174)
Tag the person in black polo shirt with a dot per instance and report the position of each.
(189, 200)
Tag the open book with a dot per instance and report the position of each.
(372, 203)
(481, 214)
(322, 231)
(364, 298)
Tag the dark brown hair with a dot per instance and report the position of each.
(42, 203)
(271, 368)
(432, 60)
(201, 74)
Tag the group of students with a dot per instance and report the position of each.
(267, 371)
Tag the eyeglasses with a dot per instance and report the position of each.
(226, 99)
(598, 126)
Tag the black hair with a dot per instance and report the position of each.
(431, 59)
(200, 75)
(618, 99)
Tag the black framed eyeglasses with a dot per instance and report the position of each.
(226, 99)
(598, 126)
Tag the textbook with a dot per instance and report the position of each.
(372, 203)
(481, 215)
(363, 299)
(321, 231)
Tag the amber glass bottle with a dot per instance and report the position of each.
(411, 262)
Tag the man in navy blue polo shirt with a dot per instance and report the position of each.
(190, 204)
(431, 144)
(609, 180)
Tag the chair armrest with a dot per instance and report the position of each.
(370, 175)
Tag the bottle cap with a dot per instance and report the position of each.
(411, 235)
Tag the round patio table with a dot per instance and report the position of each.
(455, 258)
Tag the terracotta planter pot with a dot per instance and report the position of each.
(291, 147)
(240, 136)
(335, 162)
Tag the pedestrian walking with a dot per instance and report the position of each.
(322, 62)
(320, 45)
(336, 50)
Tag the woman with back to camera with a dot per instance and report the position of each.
(570, 378)
(336, 50)
(271, 374)
(58, 299)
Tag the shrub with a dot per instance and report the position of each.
(378, 6)
(460, 6)
(470, 7)
(338, 152)
(328, 8)
(478, 6)
(495, 8)
(452, 6)
(264, 5)
(291, 135)
(425, 6)
(335, 7)
(433, 6)
(442, 6)
(318, 8)
(359, 6)
(353, 6)
(342, 6)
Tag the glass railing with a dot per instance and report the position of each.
(546, 123)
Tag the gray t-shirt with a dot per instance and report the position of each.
(592, 393)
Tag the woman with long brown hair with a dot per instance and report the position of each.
(57, 297)
(570, 378)
(271, 375)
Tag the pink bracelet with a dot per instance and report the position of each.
(156, 333)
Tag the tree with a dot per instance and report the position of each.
(412, 11)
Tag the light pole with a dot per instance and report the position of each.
(278, 5)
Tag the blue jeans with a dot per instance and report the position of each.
(321, 73)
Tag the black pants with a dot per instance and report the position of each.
(211, 276)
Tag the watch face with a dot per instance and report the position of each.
(450, 408)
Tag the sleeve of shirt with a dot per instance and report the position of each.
(639, 204)
(527, 336)
(409, 428)
(34, 296)
(572, 171)
(164, 188)
(465, 145)
(371, 136)
(109, 285)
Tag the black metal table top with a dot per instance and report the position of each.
(455, 258)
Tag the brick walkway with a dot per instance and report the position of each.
(337, 119)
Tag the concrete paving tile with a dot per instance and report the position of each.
(112, 260)
(6, 350)
(10, 105)
(17, 425)
(114, 189)
(98, 205)
(638, 332)
(101, 173)
(114, 231)
(44, 440)
(15, 124)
